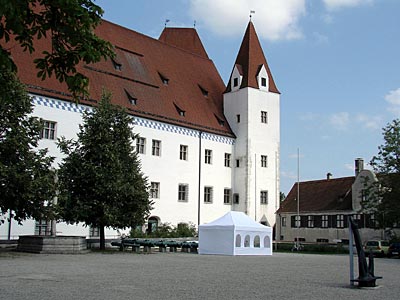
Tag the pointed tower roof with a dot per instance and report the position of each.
(250, 58)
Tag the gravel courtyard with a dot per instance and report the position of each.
(188, 276)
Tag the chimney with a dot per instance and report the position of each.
(328, 176)
(359, 165)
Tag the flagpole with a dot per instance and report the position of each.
(298, 199)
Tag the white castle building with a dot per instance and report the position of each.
(207, 148)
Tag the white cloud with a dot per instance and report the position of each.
(370, 122)
(340, 120)
(393, 98)
(337, 4)
(274, 20)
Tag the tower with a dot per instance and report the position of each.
(251, 105)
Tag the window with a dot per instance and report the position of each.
(235, 82)
(140, 145)
(296, 221)
(357, 220)
(180, 111)
(235, 198)
(203, 91)
(163, 78)
(238, 241)
(283, 222)
(264, 161)
(208, 156)
(310, 221)
(183, 192)
(227, 196)
(264, 197)
(43, 227)
(324, 221)
(94, 231)
(322, 241)
(156, 148)
(132, 100)
(238, 118)
(227, 160)
(183, 152)
(237, 163)
(220, 121)
(48, 131)
(117, 65)
(155, 190)
(340, 221)
(263, 81)
(264, 117)
(363, 195)
(208, 193)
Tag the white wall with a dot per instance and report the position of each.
(253, 140)
(166, 169)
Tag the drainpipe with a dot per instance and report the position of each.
(199, 191)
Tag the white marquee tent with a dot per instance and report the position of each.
(235, 234)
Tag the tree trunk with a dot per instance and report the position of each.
(102, 239)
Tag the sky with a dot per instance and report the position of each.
(335, 62)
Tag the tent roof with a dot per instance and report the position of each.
(235, 219)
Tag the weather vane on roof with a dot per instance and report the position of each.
(252, 12)
(166, 21)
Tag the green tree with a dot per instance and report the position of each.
(101, 183)
(383, 197)
(26, 181)
(69, 24)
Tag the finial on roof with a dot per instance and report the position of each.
(194, 24)
(166, 21)
(252, 12)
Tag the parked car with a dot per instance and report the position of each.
(394, 250)
(377, 247)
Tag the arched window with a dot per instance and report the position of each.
(267, 242)
(256, 241)
(238, 242)
(247, 241)
(152, 224)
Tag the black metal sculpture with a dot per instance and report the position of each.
(366, 276)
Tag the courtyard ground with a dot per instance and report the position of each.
(127, 275)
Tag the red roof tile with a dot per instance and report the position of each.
(320, 195)
(145, 62)
(251, 57)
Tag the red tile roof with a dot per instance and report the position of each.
(251, 57)
(319, 196)
(191, 81)
(184, 38)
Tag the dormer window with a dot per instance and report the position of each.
(236, 78)
(180, 111)
(163, 78)
(203, 91)
(262, 78)
(132, 100)
(117, 65)
(220, 121)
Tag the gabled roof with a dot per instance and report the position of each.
(320, 196)
(251, 57)
(159, 74)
